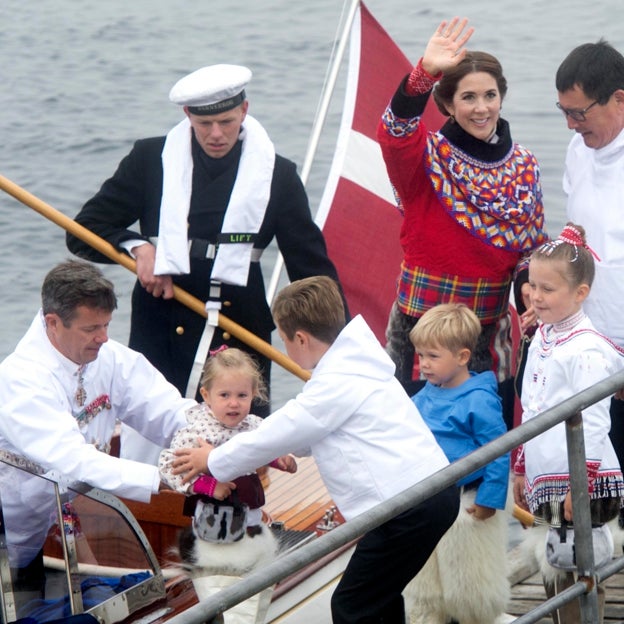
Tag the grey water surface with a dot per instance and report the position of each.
(80, 81)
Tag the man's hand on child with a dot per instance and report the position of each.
(192, 462)
(479, 512)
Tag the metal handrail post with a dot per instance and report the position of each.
(583, 545)
(70, 552)
(8, 608)
(552, 604)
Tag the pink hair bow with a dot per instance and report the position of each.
(223, 347)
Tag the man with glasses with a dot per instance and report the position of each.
(590, 86)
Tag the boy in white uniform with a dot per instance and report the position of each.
(367, 437)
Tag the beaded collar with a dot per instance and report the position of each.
(569, 323)
(88, 413)
(490, 189)
(552, 333)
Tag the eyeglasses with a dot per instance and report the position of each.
(577, 115)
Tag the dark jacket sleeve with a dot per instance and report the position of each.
(520, 279)
(131, 195)
(408, 106)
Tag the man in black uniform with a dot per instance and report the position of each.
(208, 198)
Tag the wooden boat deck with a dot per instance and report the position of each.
(300, 501)
(528, 593)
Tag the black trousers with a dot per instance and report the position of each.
(387, 558)
(617, 429)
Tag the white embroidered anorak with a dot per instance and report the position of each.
(564, 359)
(41, 419)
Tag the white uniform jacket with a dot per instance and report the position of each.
(366, 435)
(594, 183)
(41, 420)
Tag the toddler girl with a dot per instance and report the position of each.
(230, 381)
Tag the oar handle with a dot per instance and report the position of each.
(523, 516)
(185, 298)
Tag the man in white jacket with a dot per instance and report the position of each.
(367, 437)
(590, 86)
(61, 392)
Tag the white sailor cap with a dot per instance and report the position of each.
(211, 90)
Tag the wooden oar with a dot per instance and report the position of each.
(525, 518)
(185, 298)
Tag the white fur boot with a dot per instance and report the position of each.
(217, 566)
(466, 576)
(250, 611)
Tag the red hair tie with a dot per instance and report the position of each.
(572, 236)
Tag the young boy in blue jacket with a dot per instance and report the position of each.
(465, 578)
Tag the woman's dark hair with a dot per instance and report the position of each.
(473, 62)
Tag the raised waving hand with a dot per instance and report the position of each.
(446, 49)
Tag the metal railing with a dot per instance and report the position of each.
(569, 410)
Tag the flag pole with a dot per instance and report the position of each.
(319, 122)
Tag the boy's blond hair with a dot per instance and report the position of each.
(452, 326)
(313, 305)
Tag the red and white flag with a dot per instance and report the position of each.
(358, 212)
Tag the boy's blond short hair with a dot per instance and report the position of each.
(314, 305)
(452, 326)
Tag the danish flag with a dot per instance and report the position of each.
(357, 212)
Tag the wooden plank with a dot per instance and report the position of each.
(529, 593)
(299, 500)
(164, 508)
